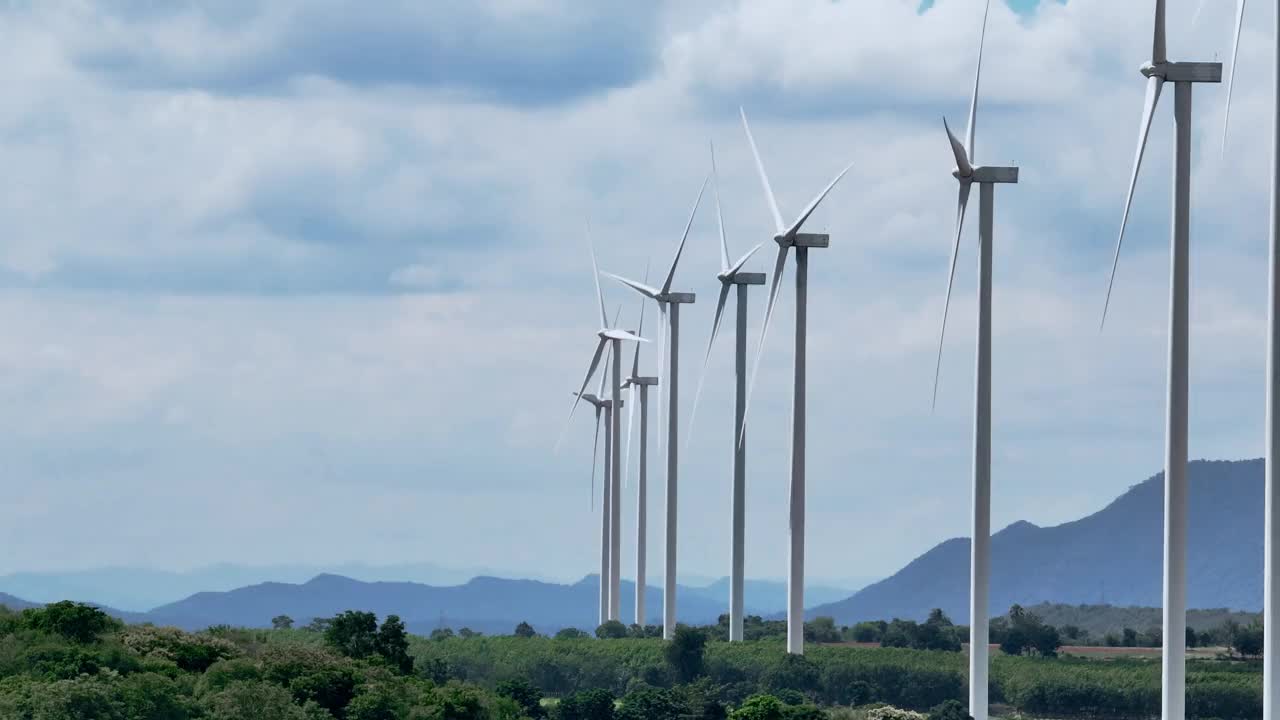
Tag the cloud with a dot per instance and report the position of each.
(505, 51)
(234, 267)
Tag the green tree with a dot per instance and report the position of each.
(353, 633)
(83, 698)
(392, 643)
(950, 710)
(652, 704)
(252, 701)
(571, 634)
(281, 622)
(525, 630)
(822, 630)
(760, 707)
(1247, 641)
(594, 704)
(467, 633)
(611, 630)
(442, 633)
(684, 654)
(76, 622)
(528, 697)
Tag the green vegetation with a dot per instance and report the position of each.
(72, 661)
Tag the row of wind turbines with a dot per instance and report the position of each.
(1159, 70)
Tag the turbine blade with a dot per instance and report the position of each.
(764, 178)
(779, 267)
(635, 360)
(595, 362)
(1154, 86)
(1195, 19)
(631, 426)
(604, 372)
(604, 314)
(1159, 48)
(645, 290)
(1231, 81)
(671, 274)
(624, 336)
(961, 207)
(737, 267)
(706, 362)
(595, 448)
(971, 134)
(962, 156)
(724, 244)
(662, 374)
(804, 216)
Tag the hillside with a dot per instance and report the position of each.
(1098, 620)
(490, 605)
(1111, 557)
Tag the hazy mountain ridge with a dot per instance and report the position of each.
(1111, 557)
(485, 604)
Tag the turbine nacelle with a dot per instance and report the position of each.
(994, 175)
(597, 401)
(624, 335)
(803, 240)
(741, 278)
(1192, 72)
(639, 381)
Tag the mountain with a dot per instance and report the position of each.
(485, 604)
(140, 589)
(765, 597)
(15, 603)
(1113, 556)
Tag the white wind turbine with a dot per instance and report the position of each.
(612, 338)
(1271, 493)
(669, 309)
(1183, 75)
(731, 276)
(604, 409)
(642, 383)
(788, 237)
(969, 172)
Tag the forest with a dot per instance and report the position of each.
(69, 660)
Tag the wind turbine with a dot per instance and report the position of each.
(1271, 493)
(642, 383)
(787, 238)
(669, 309)
(1183, 75)
(731, 276)
(604, 408)
(969, 172)
(609, 336)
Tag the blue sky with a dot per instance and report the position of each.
(305, 281)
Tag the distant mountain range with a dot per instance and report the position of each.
(140, 589)
(1112, 557)
(484, 604)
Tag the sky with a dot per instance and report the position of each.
(307, 281)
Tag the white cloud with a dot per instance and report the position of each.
(202, 309)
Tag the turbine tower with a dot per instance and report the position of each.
(669, 310)
(1183, 75)
(610, 337)
(1271, 493)
(604, 408)
(969, 172)
(641, 383)
(731, 276)
(787, 238)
